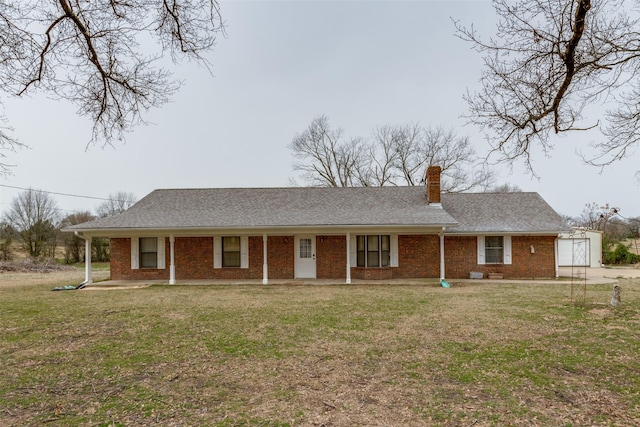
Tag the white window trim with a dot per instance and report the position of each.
(393, 262)
(506, 251)
(161, 262)
(217, 252)
(135, 253)
(393, 250)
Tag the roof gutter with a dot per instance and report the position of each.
(330, 229)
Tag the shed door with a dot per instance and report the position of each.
(573, 252)
(305, 257)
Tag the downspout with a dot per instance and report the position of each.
(172, 260)
(265, 264)
(87, 260)
(442, 254)
(555, 249)
(348, 280)
(443, 282)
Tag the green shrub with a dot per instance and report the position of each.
(620, 255)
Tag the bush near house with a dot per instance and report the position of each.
(620, 255)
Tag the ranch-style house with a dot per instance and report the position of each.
(370, 233)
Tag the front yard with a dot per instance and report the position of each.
(476, 354)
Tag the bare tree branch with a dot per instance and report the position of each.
(396, 155)
(91, 54)
(551, 59)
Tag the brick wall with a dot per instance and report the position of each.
(331, 257)
(540, 264)
(194, 257)
(194, 260)
(461, 258)
(280, 257)
(361, 273)
(418, 256)
(121, 263)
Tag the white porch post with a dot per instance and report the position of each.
(348, 258)
(442, 254)
(87, 261)
(172, 260)
(265, 266)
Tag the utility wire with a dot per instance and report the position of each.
(62, 194)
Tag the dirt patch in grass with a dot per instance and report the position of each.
(483, 355)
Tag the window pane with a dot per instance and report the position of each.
(386, 257)
(493, 256)
(231, 243)
(231, 259)
(148, 252)
(305, 248)
(148, 244)
(493, 249)
(360, 245)
(493, 242)
(372, 243)
(149, 260)
(361, 262)
(372, 259)
(231, 251)
(385, 243)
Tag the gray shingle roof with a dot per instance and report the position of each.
(258, 208)
(277, 207)
(502, 213)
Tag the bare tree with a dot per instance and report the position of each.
(116, 203)
(505, 188)
(73, 245)
(90, 53)
(33, 214)
(596, 216)
(551, 59)
(6, 233)
(395, 155)
(324, 158)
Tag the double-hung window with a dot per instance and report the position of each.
(231, 251)
(373, 251)
(494, 249)
(148, 252)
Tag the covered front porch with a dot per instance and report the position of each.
(304, 256)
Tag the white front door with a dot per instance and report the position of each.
(305, 257)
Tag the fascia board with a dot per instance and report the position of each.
(503, 232)
(284, 230)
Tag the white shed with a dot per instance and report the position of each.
(580, 248)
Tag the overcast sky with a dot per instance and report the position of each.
(363, 64)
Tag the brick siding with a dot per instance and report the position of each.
(418, 257)
(121, 263)
(461, 258)
(331, 257)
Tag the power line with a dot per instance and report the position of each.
(62, 194)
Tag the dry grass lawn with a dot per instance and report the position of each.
(473, 355)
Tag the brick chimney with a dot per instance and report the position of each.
(433, 184)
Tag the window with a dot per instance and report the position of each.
(373, 251)
(231, 251)
(305, 248)
(494, 249)
(148, 252)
